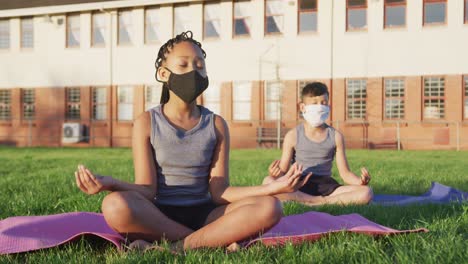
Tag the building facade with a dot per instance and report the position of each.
(397, 70)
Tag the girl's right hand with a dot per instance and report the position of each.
(90, 183)
(291, 181)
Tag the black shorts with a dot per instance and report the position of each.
(193, 217)
(320, 186)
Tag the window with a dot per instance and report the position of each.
(307, 15)
(152, 31)
(27, 32)
(356, 99)
(28, 98)
(125, 27)
(466, 96)
(242, 22)
(73, 31)
(212, 98)
(356, 11)
(273, 92)
(152, 96)
(434, 92)
(395, 13)
(99, 29)
(99, 103)
(4, 34)
(211, 25)
(5, 104)
(434, 11)
(125, 103)
(274, 13)
(241, 97)
(466, 11)
(182, 19)
(73, 103)
(394, 98)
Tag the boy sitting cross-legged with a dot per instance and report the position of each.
(314, 145)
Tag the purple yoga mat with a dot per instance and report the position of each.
(438, 193)
(26, 233)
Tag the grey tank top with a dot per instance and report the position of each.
(183, 158)
(316, 157)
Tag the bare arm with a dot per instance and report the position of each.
(288, 151)
(342, 163)
(143, 160)
(220, 190)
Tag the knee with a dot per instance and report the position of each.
(116, 209)
(269, 210)
(366, 194)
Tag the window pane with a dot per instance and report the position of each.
(125, 103)
(99, 29)
(27, 33)
(434, 86)
(242, 18)
(466, 11)
(28, 98)
(395, 16)
(242, 94)
(73, 31)
(394, 108)
(99, 103)
(307, 5)
(212, 26)
(152, 96)
(152, 25)
(308, 22)
(434, 13)
(356, 3)
(273, 92)
(356, 98)
(211, 98)
(4, 34)
(274, 16)
(5, 104)
(394, 87)
(182, 19)
(125, 27)
(357, 18)
(434, 109)
(466, 86)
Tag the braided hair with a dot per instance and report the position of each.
(165, 49)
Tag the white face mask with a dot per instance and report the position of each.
(316, 114)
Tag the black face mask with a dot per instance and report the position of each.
(187, 86)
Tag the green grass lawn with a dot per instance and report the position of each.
(40, 181)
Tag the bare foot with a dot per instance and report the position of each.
(143, 246)
(234, 247)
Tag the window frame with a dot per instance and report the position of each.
(68, 103)
(234, 35)
(219, 86)
(424, 13)
(22, 19)
(465, 97)
(8, 22)
(424, 98)
(205, 20)
(174, 7)
(385, 97)
(405, 4)
(119, 11)
(67, 30)
(94, 104)
(299, 32)
(149, 42)
(366, 7)
(8, 118)
(347, 100)
(265, 20)
(465, 14)
(93, 44)
(146, 102)
(25, 104)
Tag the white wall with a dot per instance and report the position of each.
(413, 50)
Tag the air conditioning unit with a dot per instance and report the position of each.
(72, 133)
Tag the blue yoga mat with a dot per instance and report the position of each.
(438, 193)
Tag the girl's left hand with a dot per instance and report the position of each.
(365, 176)
(90, 183)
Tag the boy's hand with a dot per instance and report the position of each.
(90, 183)
(365, 176)
(274, 170)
